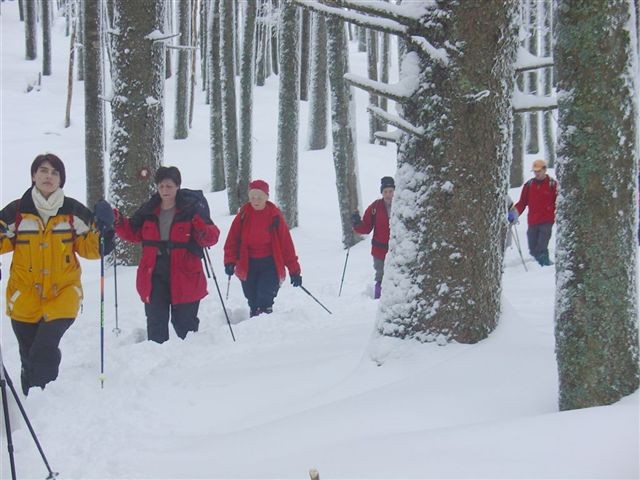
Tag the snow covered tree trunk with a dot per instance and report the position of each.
(533, 130)
(362, 39)
(342, 129)
(305, 44)
(204, 12)
(548, 127)
(46, 38)
(30, 29)
(372, 70)
(181, 126)
(215, 92)
(168, 28)
(273, 66)
(137, 108)
(93, 105)
(229, 119)
(516, 173)
(596, 313)
(385, 60)
(261, 44)
(443, 272)
(80, 41)
(246, 99)
(317, 131)
(288, 109)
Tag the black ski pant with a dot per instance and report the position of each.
(538, 238)
(38, 345)
(262, 284)
(184, 316)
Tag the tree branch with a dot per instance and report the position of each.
(523, 102)
(392, 92)
(527, 61)
(396, 121)
(386, 10)
(394, 137)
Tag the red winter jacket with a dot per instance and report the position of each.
(540, 197)
(236, 250)
(376, 218)
(188, 233)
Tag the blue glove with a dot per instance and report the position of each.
(512, 216)
(296, 280)
(355, 219)
(104, 216)
(229, 269)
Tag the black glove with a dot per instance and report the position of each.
(296, 280)
(355, 219)
(229, 269)
(104, 216)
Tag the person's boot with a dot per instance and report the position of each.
(254, 312)
(377, 290)
(24, 382)
(540, 259)
(545, 258)
(267, 310)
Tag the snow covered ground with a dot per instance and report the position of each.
(298, 389)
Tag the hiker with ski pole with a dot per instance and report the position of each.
(258, 248)
(376, 218)
(174, 226)
(46, 231)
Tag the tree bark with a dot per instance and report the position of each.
(246, 100)
(548, 122)
(46, 38)
(215, 87)
(181, 127)
(305, 44)
(317, 131)
(30, 29)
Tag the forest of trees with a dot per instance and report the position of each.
(482, 85)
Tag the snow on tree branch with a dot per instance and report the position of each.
(524, 102)
(407, 14)
(437, 54)
(397, 92)
(527, 61)
(158, 36)
(379, 24)
(394, 136)
(396, 121)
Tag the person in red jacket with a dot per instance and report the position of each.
(258, 248)
(376, 218)
(539, 194)
(174, 225)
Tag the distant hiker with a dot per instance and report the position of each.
(174, 225)
(46, 231)
(376, 218)
(539, 194)
(258, 248)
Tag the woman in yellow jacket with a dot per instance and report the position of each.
(45, 230)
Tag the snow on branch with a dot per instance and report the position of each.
(394, 136)
(378, 24)
(437, 54)
(524, 102)
(158, 36)
(397, 92)
(396, 121)
(527, 61)
(181, 47)
(407, 14)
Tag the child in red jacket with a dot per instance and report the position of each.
(376, 218)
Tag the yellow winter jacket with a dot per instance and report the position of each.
(44, 280)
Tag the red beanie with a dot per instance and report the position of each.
(259, 185)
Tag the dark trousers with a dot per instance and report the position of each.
(262, 284)
(538, 238)
(39, 352)
(184, 316)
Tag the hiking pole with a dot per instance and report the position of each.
(101, 310)
(228, 285)
(208, 259)
(344, 270)
(7, 422)
(52, 474)
(116, 330)
(517, 242)
(317, 301)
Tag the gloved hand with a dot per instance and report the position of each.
(296, 280)
(104, 216)
(229, 269)
(355, 219)
(512, 216)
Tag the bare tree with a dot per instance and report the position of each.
(596, 313)
(215, 93)
(80, 40)
(30, 29)
(181, 127)
(532, 118)
(548, 127)
(46, 38)
(305, 44)
(317, 131)
(93, 105)
(137, 107)
(372, 70)
(246, 99)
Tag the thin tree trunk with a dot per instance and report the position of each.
(181, 127)
(547, 119)
(317, 131)
(168, 28)
(30, 29)
(194, 44)
(80, 41)
(46, 38)
(305, 43)
(215, 87)
(532, 119)
(72, 56)
(372, 70)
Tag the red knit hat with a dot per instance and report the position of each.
(259, 185)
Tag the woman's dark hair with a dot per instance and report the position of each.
(55, 163)
(171, 173)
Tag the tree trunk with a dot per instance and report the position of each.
(137, 109)
(317, 131)
(548, 123)
(46, 38)
(80, 41)
(181, 127)
(443, 271)
(385, 60)
(229, 119)
(305, 42)
(372, 70)
(362, 39)
(93, 106)
(596, 312)
(246, 100)
(30, 29)
(288, 123)
(343, 129)
(261, 44)
(168, 28)
(533, 130)
(21, 10)
(215, 88)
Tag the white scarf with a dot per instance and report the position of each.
(47, 207)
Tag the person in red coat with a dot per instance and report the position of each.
(258, 248)
(174, 225)
(539, 194)
(376, 218)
